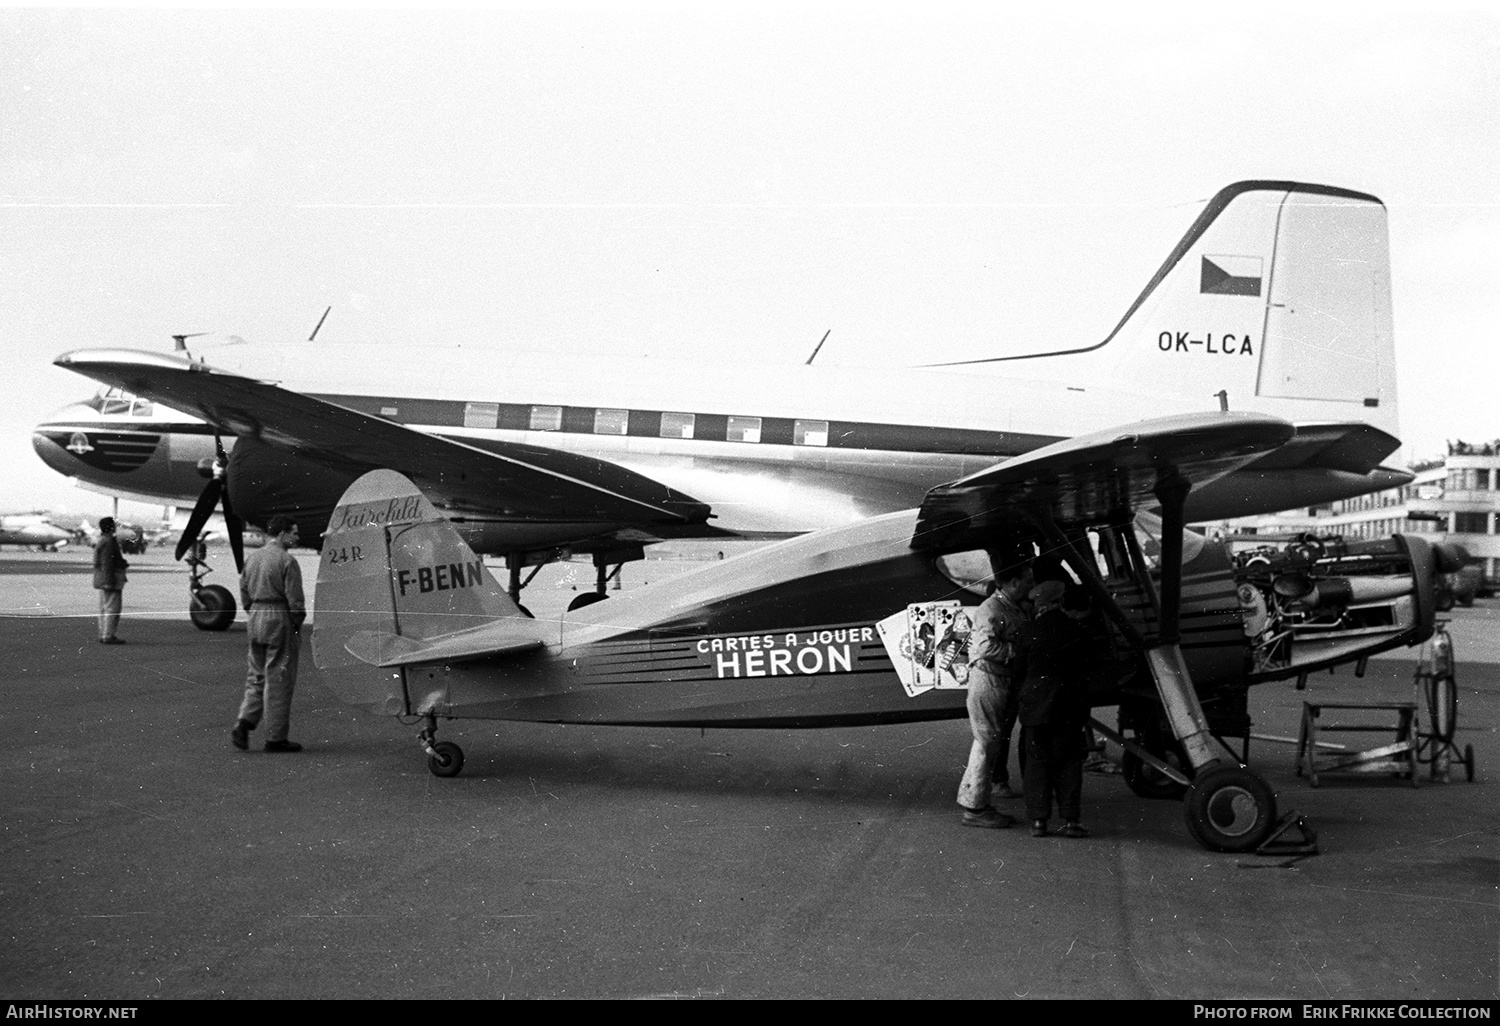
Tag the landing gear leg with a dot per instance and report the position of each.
(1228, 807)
(603, 576)
(444, 758)
(513, 563)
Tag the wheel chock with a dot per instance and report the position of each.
(1278, 843)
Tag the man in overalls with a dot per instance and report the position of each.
(271, 590)
(995, 651)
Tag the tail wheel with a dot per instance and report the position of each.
(1230, 809)
(211, 608)
(447, 760)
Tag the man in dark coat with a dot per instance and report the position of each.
(1054, 709)
(109, 580)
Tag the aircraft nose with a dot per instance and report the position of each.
(62, 440)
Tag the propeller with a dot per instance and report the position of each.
(215, 493)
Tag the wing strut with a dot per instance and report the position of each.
(1088, 573)
(1173, 682)
(1172, 490)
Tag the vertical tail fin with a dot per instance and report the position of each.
(392, 564)
(1278, 295)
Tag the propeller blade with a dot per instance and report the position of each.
(202, 510)
(236, 528)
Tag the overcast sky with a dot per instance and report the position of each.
(927, 181)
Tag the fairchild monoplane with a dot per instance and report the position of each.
(866, 624)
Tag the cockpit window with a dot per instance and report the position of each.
(141, 408)
(113, 401)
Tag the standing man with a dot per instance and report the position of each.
(109, 579)
(271, 590)
(995, 653)
(1054, 708)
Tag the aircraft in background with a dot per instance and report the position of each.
(1276, 300)
(34, 531)
(868, 623)
(133, 538)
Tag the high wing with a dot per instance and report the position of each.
(1094, 478)
(1354, 448)
(1343, 458)
(506, 479)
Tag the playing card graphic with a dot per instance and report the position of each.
(952, 649)
(928, 645)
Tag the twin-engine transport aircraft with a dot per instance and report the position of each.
(1276, 301)
(33, 530)
(868, 623)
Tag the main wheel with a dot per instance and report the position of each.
(588, 598)
(1469, 762)
(211, 608)
(448, 761)
(1147, 781)
(1230, 809)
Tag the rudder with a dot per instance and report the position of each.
(392, 564)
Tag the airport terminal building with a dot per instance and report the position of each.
(1454, 498)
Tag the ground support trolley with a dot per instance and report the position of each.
(1399, 757)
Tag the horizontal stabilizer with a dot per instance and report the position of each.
(508, 636)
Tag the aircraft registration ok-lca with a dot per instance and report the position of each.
(869, 623)
(1277, 300)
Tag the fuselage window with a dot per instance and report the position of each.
(546, 418)
(677, 425)
(970, 570)
(743, 429)
(810, 432)
(481, 415)
(611, 422)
